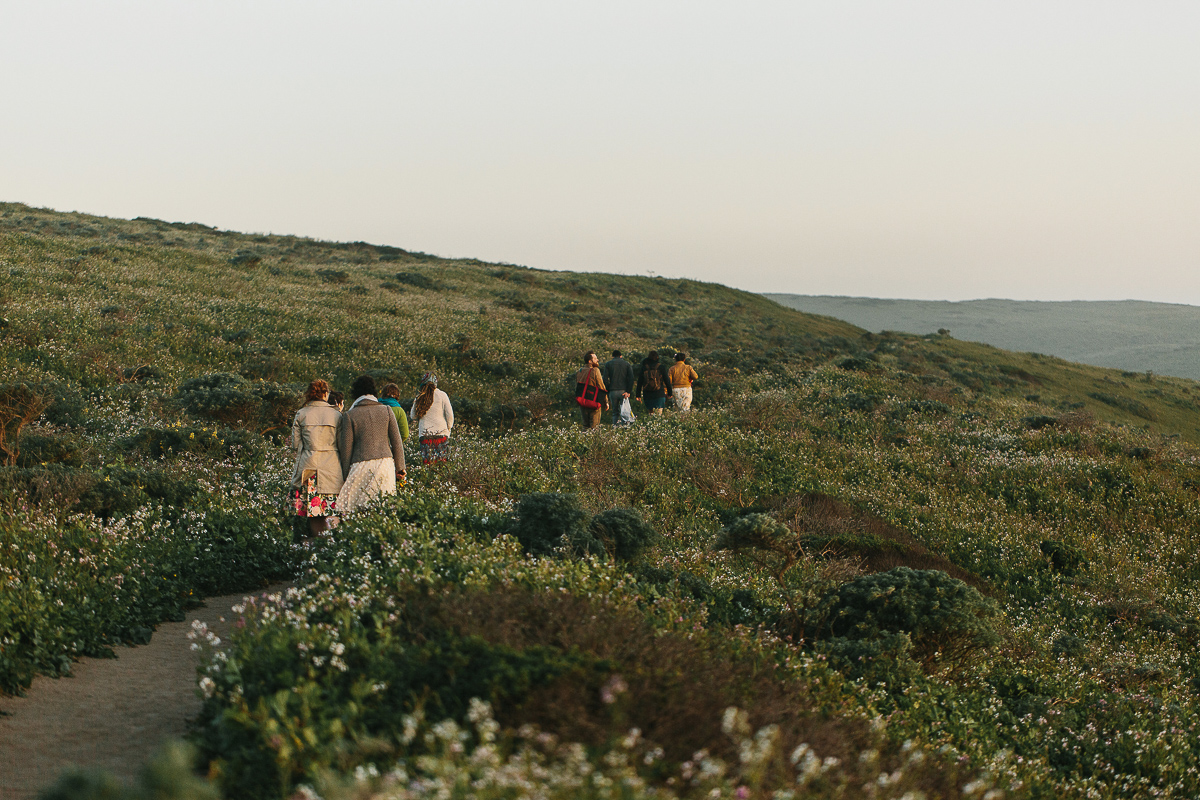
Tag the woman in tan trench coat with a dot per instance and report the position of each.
(317, 478)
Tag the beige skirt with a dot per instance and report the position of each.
(366, 481)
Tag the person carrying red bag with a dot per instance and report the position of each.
(590, 392)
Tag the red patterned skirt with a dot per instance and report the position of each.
(308, 502)
(434, 449)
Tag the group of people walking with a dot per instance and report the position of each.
(614, 385)
(347, 457)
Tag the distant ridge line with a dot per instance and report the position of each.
(1131, 335)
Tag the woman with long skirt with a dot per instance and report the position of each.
(369, 447)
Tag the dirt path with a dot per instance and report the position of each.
(111, 714)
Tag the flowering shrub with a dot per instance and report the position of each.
(623, 532)
(941, 619)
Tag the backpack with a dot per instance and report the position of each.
(653, 380)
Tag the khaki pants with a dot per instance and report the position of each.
(591, 417)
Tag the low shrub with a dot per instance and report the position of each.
(1065, 559)
(1135, 407)
(623, 532)
(20, 404)
(947, 621)
(333, 275)
(104, 493)
(756, 531)
(42, 449)
(245, 445)
(170, 775)
(234, 401)
(547, 522)
(418, 280)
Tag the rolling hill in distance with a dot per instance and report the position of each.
(1133, 335)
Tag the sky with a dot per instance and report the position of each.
(926, 150)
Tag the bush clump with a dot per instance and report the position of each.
(333, 275)
(215, 442)
(417, 280)
(757, 532)
(549, 521)
(1065, 559)
(232, 400)
(20, 404)
(945, 620)
(623, 532)
(41, 449)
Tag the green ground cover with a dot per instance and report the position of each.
(910, 565)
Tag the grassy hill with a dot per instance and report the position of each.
(1129, 335)
(865, 565)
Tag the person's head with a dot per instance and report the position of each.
(652, 356)
(317, 390)
(616, 353)
(363, 385)
(680, 357)
(391, 390)
(336, 399)
(590, 357)
(424, 399)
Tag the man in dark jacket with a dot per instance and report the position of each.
(620, 380)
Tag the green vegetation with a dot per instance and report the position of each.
(865, 565)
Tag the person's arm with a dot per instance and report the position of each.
(345, 444)
(297, 439)
(449, 412)
(402, 421)
(692, 372)
(641, 382)
(397, 445)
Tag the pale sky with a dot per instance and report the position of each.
(934, 150)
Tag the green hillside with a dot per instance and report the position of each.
(864, 565)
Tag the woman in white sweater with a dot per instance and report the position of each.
(433, 417)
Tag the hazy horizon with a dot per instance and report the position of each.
(932, 151)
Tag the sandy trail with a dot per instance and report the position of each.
(111, 714)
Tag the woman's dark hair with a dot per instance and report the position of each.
(335, 398)
(652, 356)
(424, 400)
(363, 384)
(315, 390)
(391, 390)
(680, 357)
